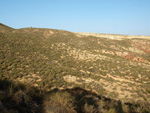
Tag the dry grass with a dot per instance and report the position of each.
(59, 103)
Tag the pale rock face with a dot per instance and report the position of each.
(112, 36)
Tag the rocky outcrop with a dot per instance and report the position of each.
(112, 36)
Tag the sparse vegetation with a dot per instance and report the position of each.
(45, 59)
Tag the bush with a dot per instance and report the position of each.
(89, 109)
(59, 103)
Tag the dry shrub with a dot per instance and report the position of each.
(21, 97)
(112, 110)
(59, 102)
(89, 109)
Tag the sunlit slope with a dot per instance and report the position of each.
(48, 58)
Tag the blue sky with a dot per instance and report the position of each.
(131, 17)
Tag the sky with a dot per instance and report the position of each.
(130, 17)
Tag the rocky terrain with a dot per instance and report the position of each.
(115, 67)
(112, 36)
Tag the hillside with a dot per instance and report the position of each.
(117, 69)
(113, 36)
